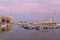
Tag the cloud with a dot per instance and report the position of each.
(38, 6)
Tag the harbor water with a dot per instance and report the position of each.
(25, 34)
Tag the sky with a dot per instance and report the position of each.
(29, 10)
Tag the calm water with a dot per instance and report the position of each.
(24, 34)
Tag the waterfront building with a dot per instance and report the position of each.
(5, 24)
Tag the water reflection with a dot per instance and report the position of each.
(25, 34)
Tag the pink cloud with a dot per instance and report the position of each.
(37, 6)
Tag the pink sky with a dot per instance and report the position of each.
(36, 6)
(29, 9)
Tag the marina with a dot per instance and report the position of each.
(47, 24)
(42, 30)
(29, 19)
(29, 31)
